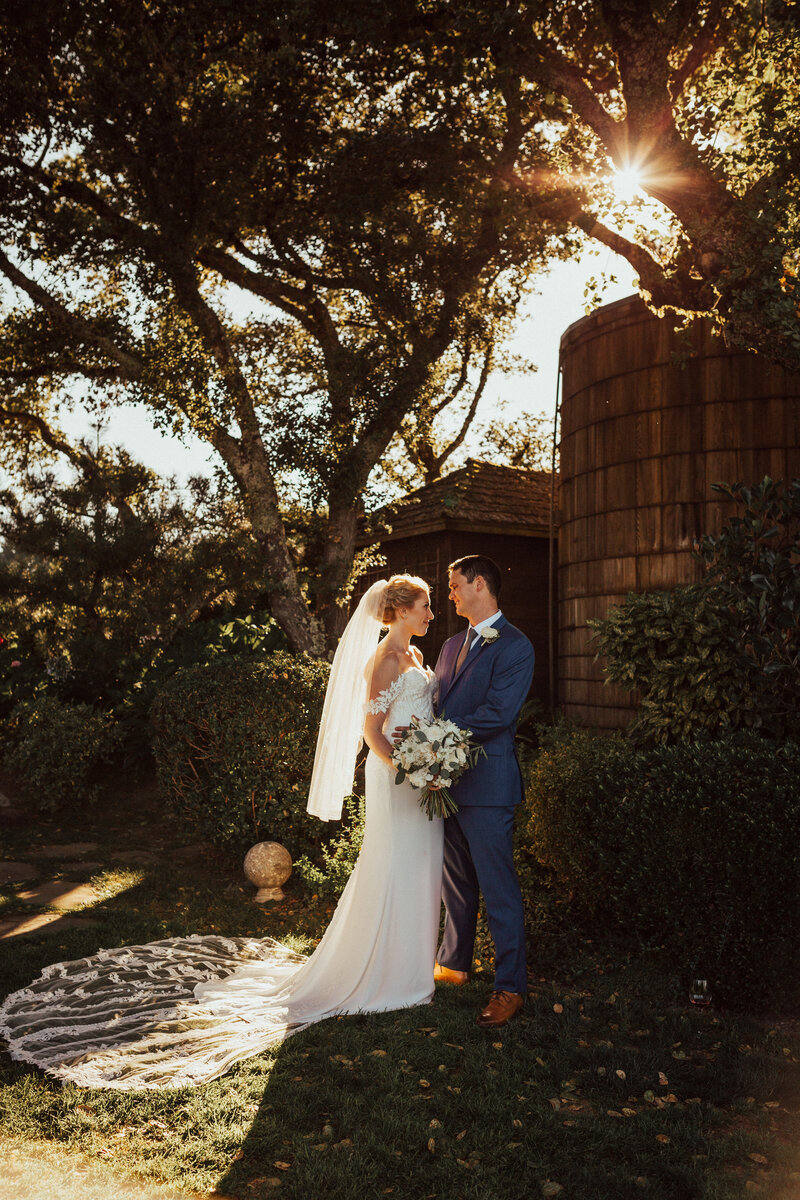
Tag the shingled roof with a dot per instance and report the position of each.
(480, 498)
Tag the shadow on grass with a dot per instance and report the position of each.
(606, 1086)
(424, 1104)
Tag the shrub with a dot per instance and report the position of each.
(199, 644)
(754, 566)
(22, 673)
(725, 653)
(234, 748)
(689, 846)
(679, 650)
(338, 856)
(56, 748)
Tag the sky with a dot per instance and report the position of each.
(542, 320)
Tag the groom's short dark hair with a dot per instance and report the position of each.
(472, 565)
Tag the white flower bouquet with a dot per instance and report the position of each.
(432, 756)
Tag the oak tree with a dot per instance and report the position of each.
(233, 213)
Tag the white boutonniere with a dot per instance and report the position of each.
(489, 635)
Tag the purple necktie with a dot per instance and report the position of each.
(464, 651)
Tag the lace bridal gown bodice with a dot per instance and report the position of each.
(410, 695)
(183, 1010)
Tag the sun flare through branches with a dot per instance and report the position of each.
(626, 183)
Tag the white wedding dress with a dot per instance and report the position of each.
(182, 1011)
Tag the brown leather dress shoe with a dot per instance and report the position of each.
(501, 1008)
(445, 975)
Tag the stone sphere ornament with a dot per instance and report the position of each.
(268, 865)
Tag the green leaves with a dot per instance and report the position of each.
(689, 846)
(55, 750)
(339, 855)
(725, 653)
(234, 749)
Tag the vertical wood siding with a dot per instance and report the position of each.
(650, 419)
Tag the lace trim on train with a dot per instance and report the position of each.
(127, 1018)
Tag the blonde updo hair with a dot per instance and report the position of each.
(402, 591)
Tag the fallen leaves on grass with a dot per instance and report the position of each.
(551, 1188)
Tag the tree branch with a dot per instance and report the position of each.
(85, 463)
(709, 36)
(81, 193)
(299, 303)
(131, 366)
(37, 424)
(60, 367)
(449, 397)
(652, 276)
(470, 415)
(549, 66)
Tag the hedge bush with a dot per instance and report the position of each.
(55, 748)
(679, 650)
(339, 855)
(690, 846)
(234, 748)
(753, 565)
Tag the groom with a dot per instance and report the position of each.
(484, 678)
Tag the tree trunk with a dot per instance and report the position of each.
(336, 565)
(247, 462)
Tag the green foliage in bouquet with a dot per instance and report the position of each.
(338, 855)
(723, 653)
(690, 846)
(234, 748)
(54, 750)
(433, 755)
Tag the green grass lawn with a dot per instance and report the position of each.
(608, 1084)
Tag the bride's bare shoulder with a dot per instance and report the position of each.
(384, 669)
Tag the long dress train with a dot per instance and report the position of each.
(181, 1011)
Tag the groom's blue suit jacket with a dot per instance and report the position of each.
(486, 696)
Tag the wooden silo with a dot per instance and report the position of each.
(650, 418)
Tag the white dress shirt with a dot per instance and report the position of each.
(485, 624)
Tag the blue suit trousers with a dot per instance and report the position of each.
(478, 857)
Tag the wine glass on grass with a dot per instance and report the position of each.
(699, 993)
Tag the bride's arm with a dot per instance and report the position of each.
(383, 676)
(374, 738)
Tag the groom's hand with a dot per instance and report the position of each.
(400, 731)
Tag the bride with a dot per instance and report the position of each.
(183, 1010)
